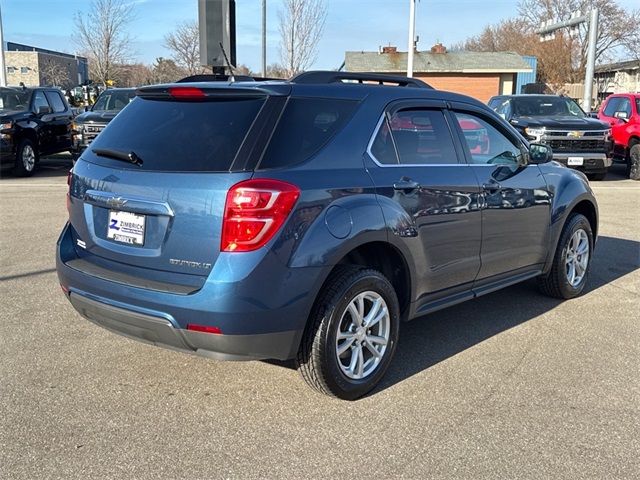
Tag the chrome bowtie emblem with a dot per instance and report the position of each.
(116, 202)
(575, 134)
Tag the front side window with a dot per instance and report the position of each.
(39, 100)
(56, 101)
(618, 104)
(485, 143)
(418, 136)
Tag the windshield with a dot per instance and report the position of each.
(11, 99)
(546, 107)
(113, 101)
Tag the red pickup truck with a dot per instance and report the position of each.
(622, 112)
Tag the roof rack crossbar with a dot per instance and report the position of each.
(358, 77)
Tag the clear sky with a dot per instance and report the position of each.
(351, 25)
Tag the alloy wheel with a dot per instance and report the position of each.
(577, 257)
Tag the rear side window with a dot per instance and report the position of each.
(306, 125)
(56, 101)
(420, 137)
(179, 136)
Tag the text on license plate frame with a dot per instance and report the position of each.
(126, 227)
(575, 161)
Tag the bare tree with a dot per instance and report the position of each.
(165, 70)
(301, 27)
(618, 32)
(102, 35)
(55, 73)
(184, 43)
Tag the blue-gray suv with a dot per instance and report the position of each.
(306, 219)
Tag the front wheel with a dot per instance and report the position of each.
(570, 269)
(634, 162)
(352, 333)
(26, 158)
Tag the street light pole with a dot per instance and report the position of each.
(264, 38)
(412, 36)
(591, 60)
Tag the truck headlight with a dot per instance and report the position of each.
(536, 132)
(5, 130)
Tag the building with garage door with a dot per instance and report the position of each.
(478, 74)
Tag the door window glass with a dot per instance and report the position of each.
(618, 104)
(422, 137)
(39, 100)
(56, 101)
(382, 148)
(485, 143)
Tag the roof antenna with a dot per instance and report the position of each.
(227, 60)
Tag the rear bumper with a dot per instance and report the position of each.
(261, 315)
(162, 332)
(591, 162)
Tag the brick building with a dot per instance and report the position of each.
(478, 74)
(35, 66)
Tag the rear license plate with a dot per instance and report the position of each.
(126, 227)
(575, 161)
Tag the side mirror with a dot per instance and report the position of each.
(539, 153)
(622, 116)
(85, 108)
(43, 110)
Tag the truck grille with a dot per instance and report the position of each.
(577, 145)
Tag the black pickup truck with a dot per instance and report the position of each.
(90, 123)
(33, 122)
(577, 140)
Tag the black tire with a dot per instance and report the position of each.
(634, 162)
(318, 360)
(556, 283)
(596, 177)
(26, 159)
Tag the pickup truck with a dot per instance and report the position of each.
(577, 140)
(622, 112)
(33, 122)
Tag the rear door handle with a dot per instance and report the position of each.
(406, 185)
(491, 187)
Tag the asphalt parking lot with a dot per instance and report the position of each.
(512, 385)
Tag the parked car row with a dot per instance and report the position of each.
(38, 121)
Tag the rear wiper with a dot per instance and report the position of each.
(130, 157)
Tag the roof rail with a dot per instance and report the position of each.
(357, 77)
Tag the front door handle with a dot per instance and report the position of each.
(491, 187)
(406, 185)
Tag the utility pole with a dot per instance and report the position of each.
(547, 32)
(412, 36)
(264, 38)
(3, 68)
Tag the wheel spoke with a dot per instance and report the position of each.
(376, 339)
(381, 315)
(571, 274)
(360, 361)
(583, 247)
(355, 316)
(354, 360)
(372, 312)
(360, 302)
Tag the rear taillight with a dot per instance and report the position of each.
(254, 211)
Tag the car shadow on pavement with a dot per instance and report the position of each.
(434, 338)
(617, 172)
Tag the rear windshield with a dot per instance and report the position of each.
(305, 126)
(178, 136)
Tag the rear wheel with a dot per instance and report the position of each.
(26, 158)
(572, 260)
(634, 162)
(352, 333)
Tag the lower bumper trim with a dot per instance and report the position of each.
(161, 332)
